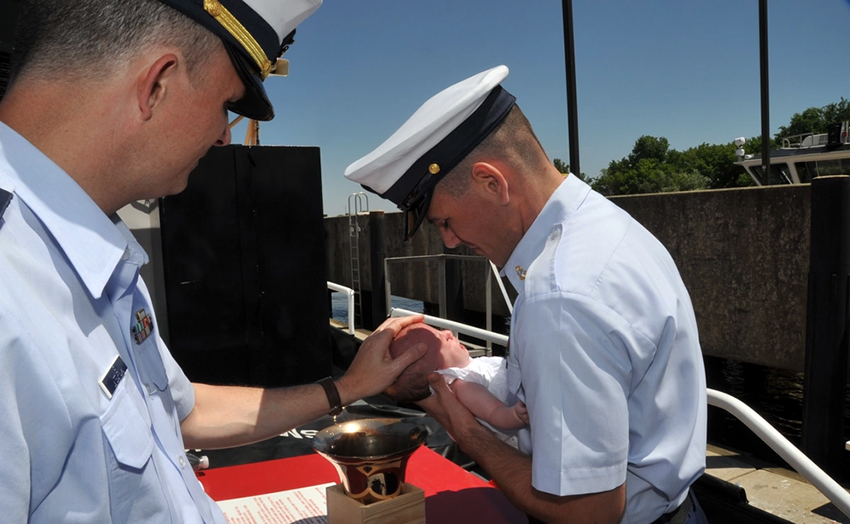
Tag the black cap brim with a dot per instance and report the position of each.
(416, 214)
(255, 103)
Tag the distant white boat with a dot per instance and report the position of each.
(801, 157)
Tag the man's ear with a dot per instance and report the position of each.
(492, 180)
(152, 87)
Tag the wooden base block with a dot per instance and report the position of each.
(407, 508)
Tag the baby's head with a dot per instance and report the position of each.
(443, 350)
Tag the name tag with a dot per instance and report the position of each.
(110, 380)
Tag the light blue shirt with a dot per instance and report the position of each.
(70, 293)
(605, 353)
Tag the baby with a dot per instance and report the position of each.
(483, 387)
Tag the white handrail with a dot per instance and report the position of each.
(782, 446)
(502, 287)
(350, 292)
(454, 326)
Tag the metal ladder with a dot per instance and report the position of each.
(354, 248)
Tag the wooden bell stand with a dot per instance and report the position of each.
(407, 508)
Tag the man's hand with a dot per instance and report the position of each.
(511, 469)
(446, 409)
(373, 369)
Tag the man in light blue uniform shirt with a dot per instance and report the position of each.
(112, 102)
(604, 348)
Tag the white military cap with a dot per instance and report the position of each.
(255, 33)
(435, 139)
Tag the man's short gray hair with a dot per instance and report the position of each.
(87, 39)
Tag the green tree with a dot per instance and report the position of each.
(714, 162)
(649, 147)
(809, 121)
(647, 175)
(816, 119)
(836, 112)
(653, 167)
(647, 170)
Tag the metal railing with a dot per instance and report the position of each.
(457, 327)
(783, 447)
(350, 293)
(488, 314)
(355, 208)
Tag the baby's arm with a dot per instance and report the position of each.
(487, 407)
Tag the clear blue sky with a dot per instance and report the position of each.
(684, 70)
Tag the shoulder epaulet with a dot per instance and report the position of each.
(5, 198)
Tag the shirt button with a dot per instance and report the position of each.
(125, 255)
(181, 461)
(149, 388)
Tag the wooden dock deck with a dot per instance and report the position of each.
(778, 491)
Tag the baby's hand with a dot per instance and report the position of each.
(521, 412)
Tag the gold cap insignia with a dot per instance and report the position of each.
(242, 35)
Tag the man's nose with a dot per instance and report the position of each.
(224, 139)
(449, 238)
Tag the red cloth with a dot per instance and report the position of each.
(452, 494)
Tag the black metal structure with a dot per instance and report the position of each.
(765, 90)
(245, 270)
(572, 97)
(377, 253)
(827, 325)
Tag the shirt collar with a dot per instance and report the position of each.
(90, 240)
(567, 198)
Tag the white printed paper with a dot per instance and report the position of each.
(304, 505)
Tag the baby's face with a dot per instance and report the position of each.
(444, 350)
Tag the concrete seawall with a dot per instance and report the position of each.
(743, 253)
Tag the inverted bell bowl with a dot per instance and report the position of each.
(371, 455)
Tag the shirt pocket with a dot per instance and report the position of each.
(127, 428)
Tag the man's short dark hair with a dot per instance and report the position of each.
(89, 38)
(513, 141)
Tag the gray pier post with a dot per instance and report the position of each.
(827, 324)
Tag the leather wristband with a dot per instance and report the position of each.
(332, 393)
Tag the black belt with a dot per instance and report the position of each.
(678, 515)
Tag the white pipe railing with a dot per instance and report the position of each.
(502, 287)
(767, 433)
(483, 334)
(350, 292)
(783, 447)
